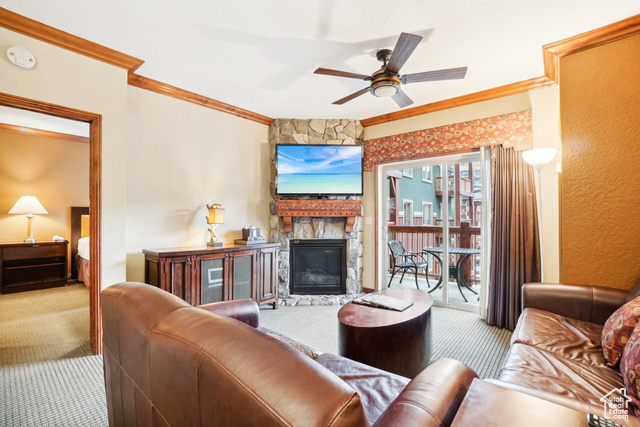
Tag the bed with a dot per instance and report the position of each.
(80, 247)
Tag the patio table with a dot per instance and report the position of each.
(456, 271)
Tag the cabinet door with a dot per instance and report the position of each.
(243, 275)
(268, 280)
(177, 273)
(213, 274)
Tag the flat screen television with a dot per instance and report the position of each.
(317, 170)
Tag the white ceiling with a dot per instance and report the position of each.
(24, 118)
(260, 55)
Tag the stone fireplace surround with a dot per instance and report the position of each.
(314, 131)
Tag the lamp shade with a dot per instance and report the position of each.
(28, 205)
(216, 214)
(539, 156)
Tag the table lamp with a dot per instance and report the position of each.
(216, 216)
(28, 205)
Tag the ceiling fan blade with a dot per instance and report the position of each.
(402, 99)
(337, 73)
(404, 48)
(352, 96)
(432, 76)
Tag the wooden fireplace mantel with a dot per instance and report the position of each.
(348, 209)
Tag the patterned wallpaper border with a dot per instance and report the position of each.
(511, 130)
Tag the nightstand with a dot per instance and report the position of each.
(31, 266)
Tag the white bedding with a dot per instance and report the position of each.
(83, 247)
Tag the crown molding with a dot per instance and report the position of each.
(39, 31)
(472, 98)
(552, 52)
(184, 95)
(41, 132)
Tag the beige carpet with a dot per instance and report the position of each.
(460, 335)
(43, 325)
(47, 374)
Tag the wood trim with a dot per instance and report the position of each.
(552, 52)
(95, 239)
(184, 95)
(39, 31)
(349, 209)
(41, 132)
(95, 196)
(472, 98)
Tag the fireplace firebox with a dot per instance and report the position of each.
(318, 266)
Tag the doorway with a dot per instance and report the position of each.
(95, 196)
(438, 209)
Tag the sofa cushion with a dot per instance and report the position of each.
(618, 329)
(376, 388)
(630, 368)
(543, 370)
(577, 340)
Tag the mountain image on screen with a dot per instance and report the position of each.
(319, 169)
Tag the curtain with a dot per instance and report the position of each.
(515, 246)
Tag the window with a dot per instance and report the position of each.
(427, 213)
(427, 174)
(407, 173)
(407, 210)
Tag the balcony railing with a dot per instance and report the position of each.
(416, 237)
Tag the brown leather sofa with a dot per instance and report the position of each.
(167, 363)
(556, 352)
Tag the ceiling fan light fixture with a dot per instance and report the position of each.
(385, 90)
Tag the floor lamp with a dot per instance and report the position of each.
(537, 158)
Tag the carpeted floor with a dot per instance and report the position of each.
(49, 378)
(48, 324)
(457, 334)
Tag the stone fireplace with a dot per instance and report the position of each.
(315, 131)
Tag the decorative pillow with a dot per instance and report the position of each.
(630, 368)
(618, 329)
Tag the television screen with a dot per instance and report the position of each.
(319, 169)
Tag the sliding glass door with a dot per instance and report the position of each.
(437, 210)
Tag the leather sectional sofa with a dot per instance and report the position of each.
(556, 351)
(170, 364)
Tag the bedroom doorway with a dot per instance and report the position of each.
(95, 196)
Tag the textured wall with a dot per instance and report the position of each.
(181, 157)
(600, 127)
(56, 171)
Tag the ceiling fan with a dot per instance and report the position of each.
(387, 80)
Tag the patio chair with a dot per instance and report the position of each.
(408, 261)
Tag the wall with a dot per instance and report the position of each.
(64, 78)
(56, 171)
(181, 157)
(600, 119)
(544, 106)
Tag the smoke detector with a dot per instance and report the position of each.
(21, 57)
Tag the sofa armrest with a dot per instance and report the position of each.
(432, 398)
(584, 302)
(244, 310)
